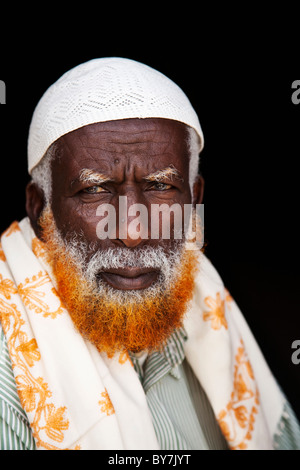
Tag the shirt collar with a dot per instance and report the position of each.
(154, 366)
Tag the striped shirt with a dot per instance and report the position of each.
(182, 415)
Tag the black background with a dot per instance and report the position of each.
(238, 79)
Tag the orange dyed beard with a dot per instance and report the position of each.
(114, 326)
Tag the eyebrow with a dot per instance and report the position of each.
(167, 173)
(92, 177)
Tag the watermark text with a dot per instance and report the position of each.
(154, 222)
(2, 92)
(296, 94)
(296, 354)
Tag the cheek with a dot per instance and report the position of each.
(71, 217)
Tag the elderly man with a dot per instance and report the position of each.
(114, 335)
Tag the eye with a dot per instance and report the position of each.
(93, 190)
(161, 186)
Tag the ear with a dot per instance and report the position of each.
(35, 203)
(198, 190)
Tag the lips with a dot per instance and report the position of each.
(129, 278)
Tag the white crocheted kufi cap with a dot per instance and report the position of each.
(101, 90)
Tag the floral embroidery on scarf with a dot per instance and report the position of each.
(216, 314)
(29, 349)
(55, 422)
(14, 227)
(7, 287)
(123, 357)
(106, 404)
(33, 295)
(238, 418)
(34, 393)
(2, 255)
(228, 297)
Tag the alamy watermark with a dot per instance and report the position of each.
(296, 94)
(296, 354)
(159, 222)
(2, 92)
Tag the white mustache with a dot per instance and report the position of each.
(147, 257)
(113, 258)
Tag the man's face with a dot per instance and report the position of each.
(125, 153)
(122, 291)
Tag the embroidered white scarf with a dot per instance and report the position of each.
(77, 398)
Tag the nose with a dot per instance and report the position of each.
(130, 242)
(132, 221)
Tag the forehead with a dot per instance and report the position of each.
(146, 144)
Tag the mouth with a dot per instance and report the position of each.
(129, 278)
